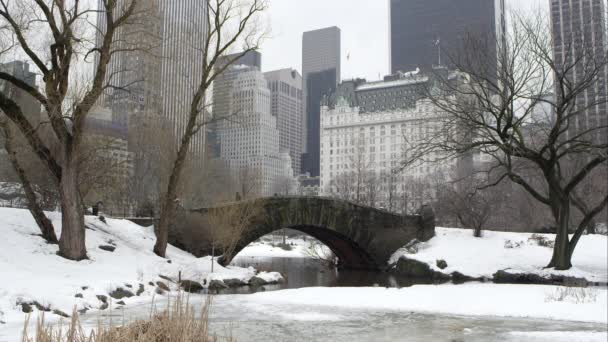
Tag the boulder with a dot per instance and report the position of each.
(418, 270)
(60, 313)
(41, 307)
(140, 290)
(25, 307)
(78, 295)
(442, 264)
(257, 281)
(104, 306)
(107, 248)
(120, 302)
(234, 282)
(191, 286)
(505, 277)
(460, 278)
(162, 286)
(102, 298)
(121, 293)
(217, 285)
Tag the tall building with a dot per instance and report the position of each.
(250, 141)
(287, 106)
(420, 29)
(222, 92)
(579, 31)
(158, 67)
(320, 76)
(363, 146)
(153, 75)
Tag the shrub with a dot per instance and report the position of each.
(512, 244)
(577, 295)
(542, 241)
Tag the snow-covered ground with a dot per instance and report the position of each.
(471, 299)
(31, 271)
(300, 248)
(515, 252)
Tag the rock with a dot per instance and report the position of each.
(83, 311)
(257, 281)
(25, 307)
(41, 307)
(107, 248)
(261, 289)
(169, 279)
(120, 293)
(191, 286)
(162, 286)
(159, 291)
(460, 278)
(78, 295)
(169, 261)
(104, 306)
(140, 290)
(60, 313)
(505, 277)
(129, 286)
(234, 282)
(120, 302)
(418, 270)
(217, 285)
(84, 288)
(442, 264)
(150, 283)
(102, 298)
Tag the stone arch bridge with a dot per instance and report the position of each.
(361, 237)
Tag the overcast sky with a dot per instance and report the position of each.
(365, 32)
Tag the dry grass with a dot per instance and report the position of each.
(577, 295)
(179, 323)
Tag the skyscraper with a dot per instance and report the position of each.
(578, 28)
(320, 76)
(419, 29)
(159, 67)
(222, 93)
(287, 106)
(250, 140)
(153, 76)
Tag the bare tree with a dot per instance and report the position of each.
(55, 36)
(228, 223)
(491, 112)
(34, 205)
(229, 23)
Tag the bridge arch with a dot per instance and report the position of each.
(361, 237)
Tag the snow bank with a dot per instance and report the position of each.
(299, 249)
(31, 271)
(472, 299)
(482, 257)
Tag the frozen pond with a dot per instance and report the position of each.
(248, 320)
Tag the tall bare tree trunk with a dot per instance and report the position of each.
(45, 225)
(170, 200)
(72, 241)
(562, 256)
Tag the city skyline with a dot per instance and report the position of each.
(365, 47)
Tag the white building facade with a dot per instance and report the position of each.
(362, 154)
(250, 140)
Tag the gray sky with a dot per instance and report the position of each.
(364, 25)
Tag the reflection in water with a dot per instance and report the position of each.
(306, 272)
